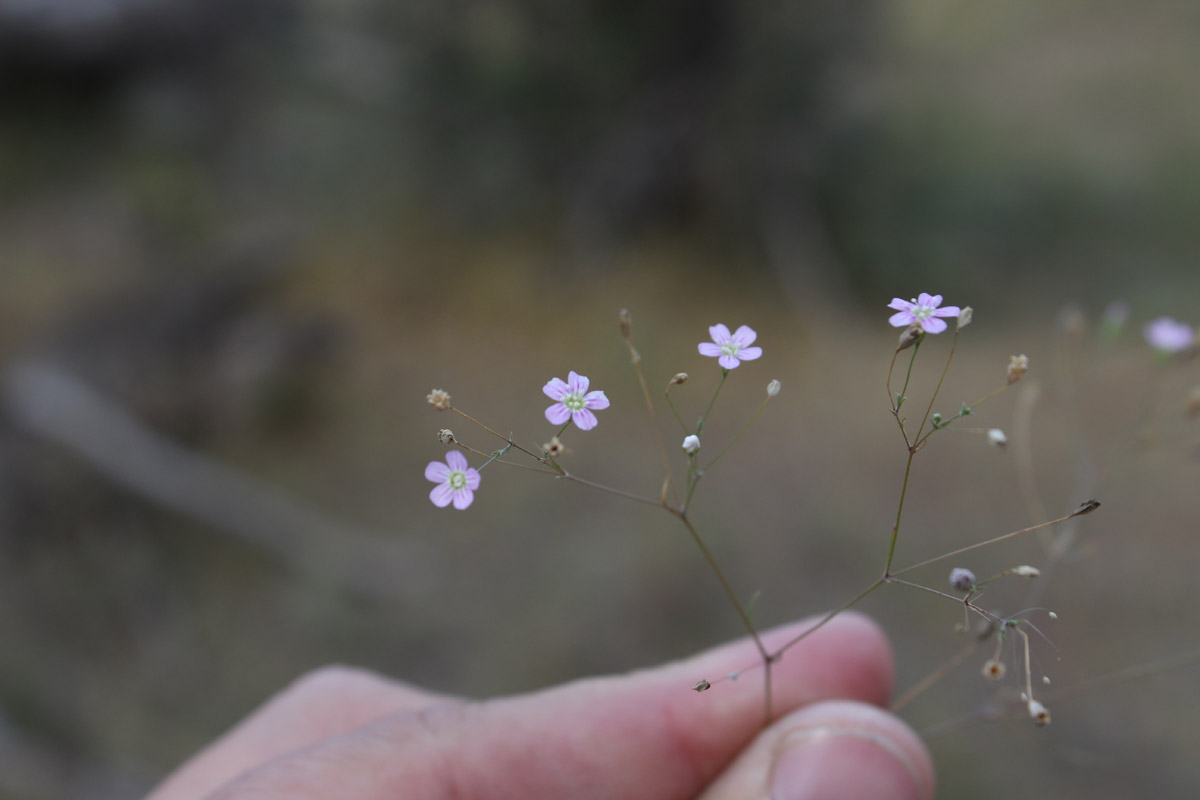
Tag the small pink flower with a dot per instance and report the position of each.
(575, 402)
(730, 350)
(1168, 336)
(922, 311)
(455, 481)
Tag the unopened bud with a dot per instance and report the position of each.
(439, 399)
(625, 322)
(1026, 571)
(1086, 507)
(702, 686)
(996, 437)
(679, 377)
(1039, 713)
(445, 436)
(1017, 367)
(962, 579)
(909, 336)
(993, 670)
(773, 388)
(691, 444)
(964, 317)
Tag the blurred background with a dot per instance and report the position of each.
(241, 241)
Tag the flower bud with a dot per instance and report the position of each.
(679, 377)
(962, 579)
(1026, 571)
(702, 686)
(691, 444)
(909, 336)
(439, 399)
(964, 317)
(1017, 367)
(996, 437)
(445, 436)
(1039, 713)
(773, 388)
(625, 322)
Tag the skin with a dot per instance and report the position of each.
(353, 735)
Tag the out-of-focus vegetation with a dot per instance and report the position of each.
(240, 241)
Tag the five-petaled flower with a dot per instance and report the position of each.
(922, 311)
(455, 481)
(730, 349)
(575, 402)
(1168, 336)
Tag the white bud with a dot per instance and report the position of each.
(964, 317)
(1026, 571)
(691, 444)
(1039, 713)
(773, 388)
(996, 437)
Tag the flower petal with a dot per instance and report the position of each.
(558, 414)
(927, 300)
(728, 362)
(473, 478)
(749, 353)
(584, 420)
(902, 320)
(556, 389)
(719, 333)
(745, 336)
(441, 495)
(596, 399)
(456, 460)
(933, 325)
(436, 471)
(577, 383)
(948, 311)
(463, 498)
(900, 305)
(709, 349)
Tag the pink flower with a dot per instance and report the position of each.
(1168, 336)
(922, 311)
(730, 350)
(455, 481)
(575, 402)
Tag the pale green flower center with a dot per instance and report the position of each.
(730, 348)
(573, 401)
(457, 480)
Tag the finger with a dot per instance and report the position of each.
(840, 749)
(321, 704)
(641, 735)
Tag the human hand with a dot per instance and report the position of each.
(348, 734)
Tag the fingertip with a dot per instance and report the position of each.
(843, 749)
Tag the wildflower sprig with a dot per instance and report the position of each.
(574, 406)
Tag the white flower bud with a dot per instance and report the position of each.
(1039, 713)
(996, 437)
(691, 444)
(964, 317)
(1026, 571)
(773, 388)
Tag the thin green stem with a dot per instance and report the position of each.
(610, 490)
(938, 388)
(739, 435)
(977, 545)
(730, 593)
(707, 411)
(675, 411)
(825, 620)
(887, 568)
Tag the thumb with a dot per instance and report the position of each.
(835, 749)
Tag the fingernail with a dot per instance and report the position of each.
(843, 763)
